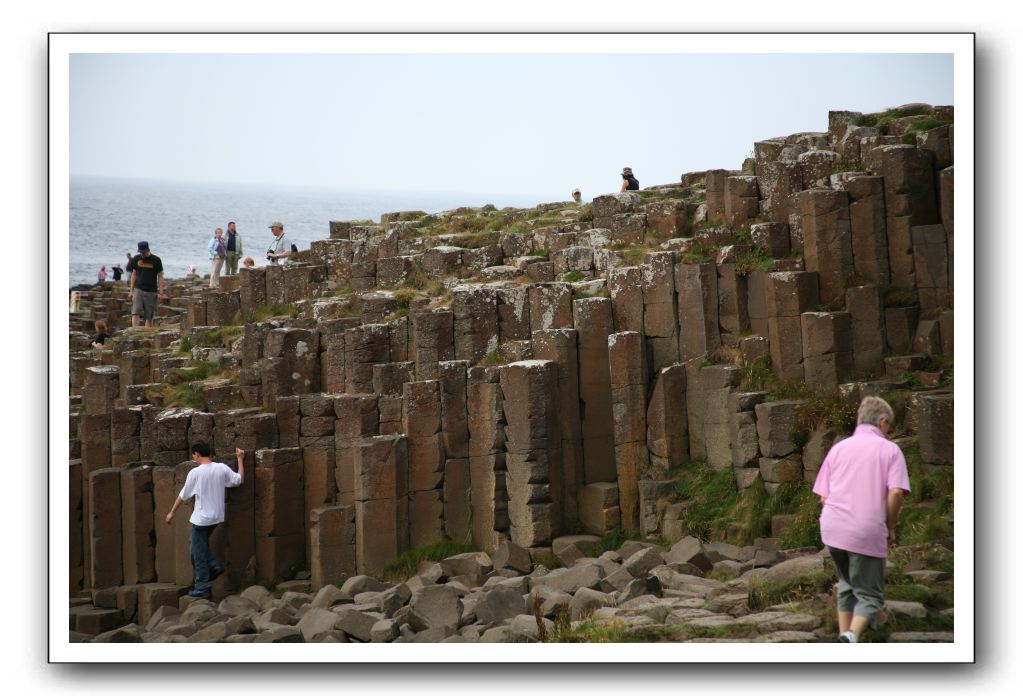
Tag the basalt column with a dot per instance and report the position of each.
(594, 324)
(628, 404)
(421, 422)
(530, 389)
(487, 469)
(560, 346)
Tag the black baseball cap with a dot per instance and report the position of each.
(143, 246)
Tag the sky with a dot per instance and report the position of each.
(509, 123)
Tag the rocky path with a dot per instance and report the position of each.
(692, 592)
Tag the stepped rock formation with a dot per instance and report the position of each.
(507, 378)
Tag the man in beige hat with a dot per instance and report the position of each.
(577, 196)
(281, 246)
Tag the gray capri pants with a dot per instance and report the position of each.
(860, 583)
(144, 304)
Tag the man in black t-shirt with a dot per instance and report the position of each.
(146, 288)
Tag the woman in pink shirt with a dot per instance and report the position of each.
(861, 483)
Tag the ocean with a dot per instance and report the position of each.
(109, 216)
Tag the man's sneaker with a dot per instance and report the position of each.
(205, 594)
(845, 638)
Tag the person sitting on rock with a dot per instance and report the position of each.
(101, 337)
(629, 182)
(249, 262)
(861, 483)
(577, 196)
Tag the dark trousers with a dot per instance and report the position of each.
(202, 558)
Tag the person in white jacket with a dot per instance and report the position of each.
(218, 252)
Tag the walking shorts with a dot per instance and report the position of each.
(144, 304)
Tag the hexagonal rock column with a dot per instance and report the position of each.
(946, 184)
(183, 571)
(935, 418)
(530, 393)
(745, 443)
(292, 356)
(733, 294)
(628, 406)
(827, 349)
(561, 347)
(381, 500)
(815, 167)
(102, 387)
(697, 286)
(76, 527)
(868, 221)
(789, 294)
(234, 541)
(137, 520)
(598, 508)
(252, 291)
(319, 457)
(164, 492)
(365, 346)
(667, 421)
(777, 182)
(513, 313)
(432, 340)
(909, 195)
(781, 463)
(930, 254)
(332, 535)
(125, 424)
(742, 199)
(133, 369)
(485, 402)
(594, 324)
(455, 438)
(222, 308)
(715, 186)
(710, 411)
(421, 422)
(660, 309)
(279, 513)
(105, 560)
(357, 417)
(332, 362)
(617, 212)
(626, 286)
(864, 305)
(827, 241)
(475, 321)
(550, 306)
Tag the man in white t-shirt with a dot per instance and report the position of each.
(207, 482)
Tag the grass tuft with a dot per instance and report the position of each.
(407, 564)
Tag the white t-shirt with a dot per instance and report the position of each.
(207, 483)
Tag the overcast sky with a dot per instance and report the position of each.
(529, 124)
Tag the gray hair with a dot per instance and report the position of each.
(874, 409)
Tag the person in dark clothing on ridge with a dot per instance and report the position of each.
(146, 288)
(118, 272)
(629, 182)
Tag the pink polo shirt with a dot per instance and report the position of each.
(854, 479)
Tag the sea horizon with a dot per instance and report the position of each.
(110, 215)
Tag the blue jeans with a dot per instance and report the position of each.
(202, 558)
